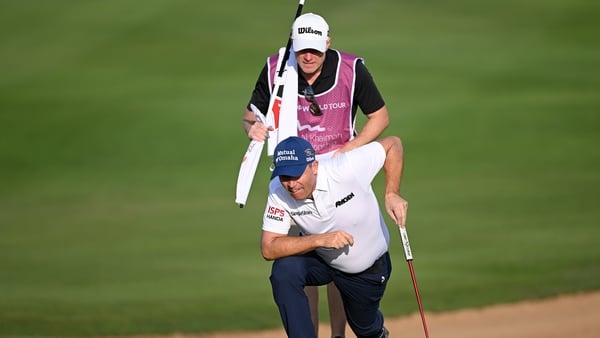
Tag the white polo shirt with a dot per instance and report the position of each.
(343, 200)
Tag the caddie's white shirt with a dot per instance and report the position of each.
(343, 200)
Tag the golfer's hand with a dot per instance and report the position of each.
(396, 207)
(258, 131)
(336, 240)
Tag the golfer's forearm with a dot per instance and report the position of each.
(287, 246)
(393, 165)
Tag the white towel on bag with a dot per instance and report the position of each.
(249, 165)
(283, 118)
(286, 122)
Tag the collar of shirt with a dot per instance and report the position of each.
(321, 179)
(321, 202)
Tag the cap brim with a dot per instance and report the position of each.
(289, 170)
(302, 44)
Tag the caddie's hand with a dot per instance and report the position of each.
(258, 131)
(396, 207)
(347, 147)
(336, 240)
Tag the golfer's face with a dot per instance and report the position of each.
(303, 186)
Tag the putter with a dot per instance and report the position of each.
(409, 258)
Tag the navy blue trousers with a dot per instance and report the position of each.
(361, 293)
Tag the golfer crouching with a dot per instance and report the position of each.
(344, 236)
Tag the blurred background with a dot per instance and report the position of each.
(121, 139)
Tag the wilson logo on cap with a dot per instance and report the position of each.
(309, 30)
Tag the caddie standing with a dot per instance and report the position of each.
(330, 86)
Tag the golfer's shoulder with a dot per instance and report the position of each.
(355, 159)
(338, 168)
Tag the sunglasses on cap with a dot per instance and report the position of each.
(314, 108)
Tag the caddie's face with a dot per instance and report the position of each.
(310, 61)
(301, 187)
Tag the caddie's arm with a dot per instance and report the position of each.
(274, 245)
(377, 122)
(395, 205)
(255, 129)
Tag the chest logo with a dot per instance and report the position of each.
(344, 200)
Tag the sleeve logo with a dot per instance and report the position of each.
(275, 213)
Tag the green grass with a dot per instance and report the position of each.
(120, 141)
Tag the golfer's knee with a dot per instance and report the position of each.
(286, 271)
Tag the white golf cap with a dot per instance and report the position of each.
(310, 31)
